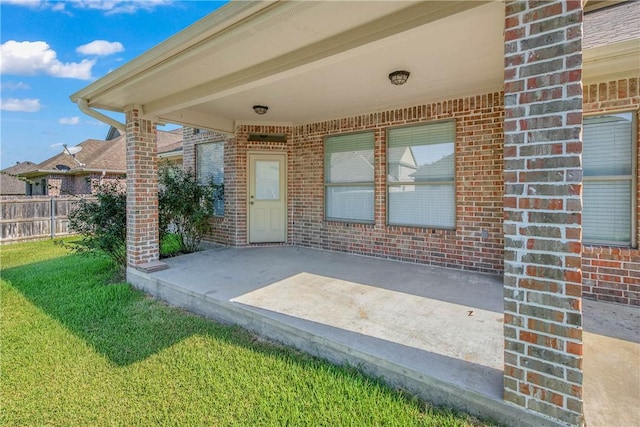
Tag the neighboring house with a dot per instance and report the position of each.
(78, 170)
(10, 185)
(169, 144)
(521, 118)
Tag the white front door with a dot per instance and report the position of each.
(267, 198)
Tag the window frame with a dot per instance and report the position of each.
(633, 178)
(388, 185)
(327, 185)
(222, 142)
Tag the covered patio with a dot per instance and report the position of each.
(434, 332)
(475, 162)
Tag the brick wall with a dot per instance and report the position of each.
(142, 190)
(611, 273)
(543, 207)
(241, 149)
(58, 185)
(222, 228)
(475, 244)
(64, 185)
(232, 228)
(91, 182)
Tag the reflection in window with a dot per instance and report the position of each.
(421, 174)
(210, 169)
(607, 161)
(267, 180)
(348, 173)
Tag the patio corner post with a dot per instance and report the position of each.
(142, 190)
(543, 208)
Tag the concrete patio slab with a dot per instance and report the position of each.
(434, 332)
(388, 315)
(611, 365)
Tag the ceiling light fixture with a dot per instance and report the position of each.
(399, 77)
(260, 109)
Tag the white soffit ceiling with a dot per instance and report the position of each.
(279, 28)
(456, 56)
(318, 60)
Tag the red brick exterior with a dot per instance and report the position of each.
(142, 190)
(223, 228)
(64, 185)
(475, 244)
(478, 156)
(610, 273)
(543, 208)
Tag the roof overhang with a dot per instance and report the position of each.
(317, 60)
(611, 62)
(309, 61)
(174, 154)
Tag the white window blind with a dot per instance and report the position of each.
(421, 175)
(210, 168)
(349, 172)
(607, 161)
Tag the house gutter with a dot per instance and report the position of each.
(83, 104)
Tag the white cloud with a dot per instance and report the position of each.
(37, 4)
(69, 120)
(31, 58)
(27, 105)
(26, 3)
(100, 48)
(14, 86)
(112, 7)
(109, 7)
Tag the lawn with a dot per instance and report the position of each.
(79, 350)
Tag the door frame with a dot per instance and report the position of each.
(285, 185)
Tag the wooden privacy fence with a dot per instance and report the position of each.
(35, 217)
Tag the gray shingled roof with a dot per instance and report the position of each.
(613, 24)
(169, 141)
(95, 155)
(9, 184)
(99, 155)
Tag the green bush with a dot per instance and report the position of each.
(102, 223)
(185, 207)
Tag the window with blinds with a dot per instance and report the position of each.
(210, 169)
(608, 179)
(421, 175)
(348, 177)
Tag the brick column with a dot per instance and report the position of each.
(543, 207)
(142, 190)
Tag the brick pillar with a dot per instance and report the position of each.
(543, 207)
(142, 190)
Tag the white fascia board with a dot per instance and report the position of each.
(617, 59)
(225, 17)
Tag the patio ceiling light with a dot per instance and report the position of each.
(260, 109)
(399, 77)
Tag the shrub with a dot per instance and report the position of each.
(185, 207)
(102, 223)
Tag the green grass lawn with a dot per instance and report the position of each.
(78, 351)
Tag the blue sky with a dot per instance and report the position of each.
(51, 49)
